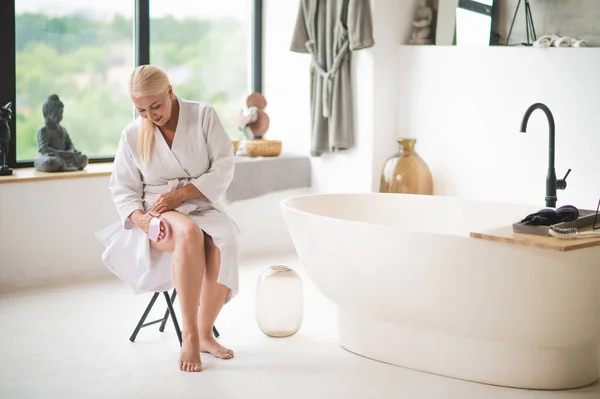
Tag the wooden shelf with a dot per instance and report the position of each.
(505, 234)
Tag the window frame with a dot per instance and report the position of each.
(8, 89)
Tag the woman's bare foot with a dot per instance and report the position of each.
(189, 358)
(210, 345)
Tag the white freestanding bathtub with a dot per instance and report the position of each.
(413, 289)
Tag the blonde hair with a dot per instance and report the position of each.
(147, 80)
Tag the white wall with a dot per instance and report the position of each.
(465, 105)
(47, 230)
(287, 84)
(392, 20)
(285, 79)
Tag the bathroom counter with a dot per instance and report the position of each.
(506, 234)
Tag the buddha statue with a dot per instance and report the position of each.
(56, 150)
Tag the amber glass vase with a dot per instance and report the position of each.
(405, 172)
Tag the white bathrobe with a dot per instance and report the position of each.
(202, 155)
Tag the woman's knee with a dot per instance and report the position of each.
(189, 232)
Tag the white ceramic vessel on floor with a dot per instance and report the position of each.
(413, 289)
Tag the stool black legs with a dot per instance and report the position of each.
(141, 322)
(162, 325)
(170, 311)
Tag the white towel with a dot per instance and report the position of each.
(546, 41)
(563, 42)
(579, 43)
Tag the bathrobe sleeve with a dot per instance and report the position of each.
(213, 183)
(360, 24)
(126, 185)
(300, 35)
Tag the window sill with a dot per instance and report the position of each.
(22, 175)
(254, 176)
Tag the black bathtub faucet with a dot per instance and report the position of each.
(552, 184)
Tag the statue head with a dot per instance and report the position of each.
(53, 109)
(6, 112)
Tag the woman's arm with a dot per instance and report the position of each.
(172, 199)
(126, 185)
(213, 184)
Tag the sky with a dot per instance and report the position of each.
(240, 9)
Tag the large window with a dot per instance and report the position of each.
(203, 45)
(84, 50)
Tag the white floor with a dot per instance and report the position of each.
(72, 342)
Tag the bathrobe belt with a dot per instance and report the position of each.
(152, 192)
(327, 75)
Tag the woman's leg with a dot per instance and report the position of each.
(188, 265)
(212, 298)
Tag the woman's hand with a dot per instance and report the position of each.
(168, 201)
(142, 220)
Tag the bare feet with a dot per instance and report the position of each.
(189, 358)
(210, 345)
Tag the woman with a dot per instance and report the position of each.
(172, 165)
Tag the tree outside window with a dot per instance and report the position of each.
(84, 51)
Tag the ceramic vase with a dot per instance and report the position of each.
(279, 301)
(406, 172)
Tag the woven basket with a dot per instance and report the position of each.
(262, 148)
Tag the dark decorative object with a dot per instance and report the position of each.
(530, 28)
(563, 218)
(56, 150)
(596, 217)
(548, 217)
(5, 115)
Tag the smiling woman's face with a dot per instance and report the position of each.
(156, 108)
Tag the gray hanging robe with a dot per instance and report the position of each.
(329, 30)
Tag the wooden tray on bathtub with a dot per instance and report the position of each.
(506, 234)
